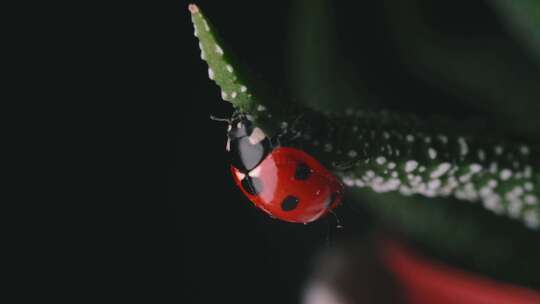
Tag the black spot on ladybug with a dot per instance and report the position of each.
(252, 185)
(289, 203)
(302, 172)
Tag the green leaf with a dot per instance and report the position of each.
(316, 61)
(243, 91)
(523, 18)
(390, 152)
(486, 72)
(220, 67)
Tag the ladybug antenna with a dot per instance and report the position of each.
(227, 120)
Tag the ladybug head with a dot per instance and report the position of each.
(239, 126)
(247, 144)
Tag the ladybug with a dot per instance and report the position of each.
(285, 182)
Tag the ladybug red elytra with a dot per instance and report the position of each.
(285, 182)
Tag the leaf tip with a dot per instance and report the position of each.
(193, 8)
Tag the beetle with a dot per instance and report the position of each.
(285, 182)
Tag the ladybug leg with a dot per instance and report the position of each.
(280, 137)
(214, 118)
(277, 139)
(296, 123)
(284, 136)
(236, 114)
(338, 221)
(288, 133)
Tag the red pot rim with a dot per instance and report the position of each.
(428, 281)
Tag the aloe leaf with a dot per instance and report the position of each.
(321, 77)
(523, 18)
(390, 152)
(220, 68)
(243, 91)
(486, 72)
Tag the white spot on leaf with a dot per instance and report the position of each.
(219, 50)
(481, 155)
(475, 168)
(441, 169)
(434, 184)
(411, 165)
(464, 149)
(505, 174)
(530, 199)
(432, 153)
